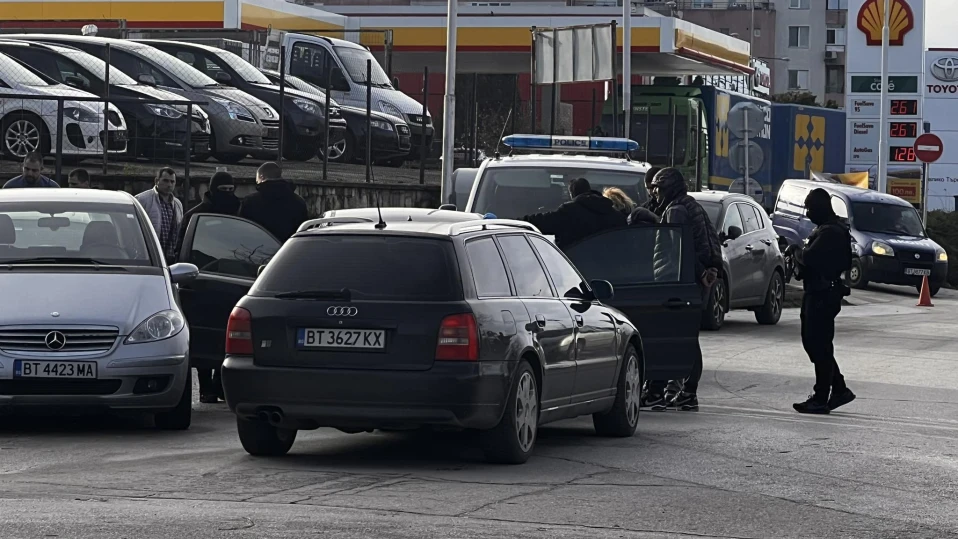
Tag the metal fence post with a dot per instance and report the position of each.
(329, 82)
(593, 128)
(58, 168)
(422, 138)
(282, 105)
(189, 151)
(615, 81)
(369, 120)
(515, 106)
(106, 111)
(475, 120)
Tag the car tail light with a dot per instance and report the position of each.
(458, 338)
(239, 335)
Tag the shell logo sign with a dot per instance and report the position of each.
(871, 19)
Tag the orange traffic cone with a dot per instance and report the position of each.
(924, 299)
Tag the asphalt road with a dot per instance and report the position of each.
(745, 466)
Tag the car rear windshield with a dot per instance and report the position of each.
(886, 219)
(387, 267)
(67, 232)
(514, 192)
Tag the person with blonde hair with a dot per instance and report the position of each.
(620, 200)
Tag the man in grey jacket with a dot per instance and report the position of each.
(164, 210)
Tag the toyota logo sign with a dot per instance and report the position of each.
(342, 311)
(945, 69)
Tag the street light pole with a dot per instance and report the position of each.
(449, 108)
(626, 65)
(880, 181)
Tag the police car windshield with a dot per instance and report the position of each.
(514, 192)
(892, 219)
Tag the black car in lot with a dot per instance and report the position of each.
(472, 324)
(391, 141)
(303, 114)
(147, 122)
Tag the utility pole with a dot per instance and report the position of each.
(626, 65)
(881, 180)
(449, 110)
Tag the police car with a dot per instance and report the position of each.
(513, 186)
(661, 299)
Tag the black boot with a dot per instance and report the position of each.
(811, 406)
(840, 398)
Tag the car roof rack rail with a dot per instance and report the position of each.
(484, 224)
(317, 223)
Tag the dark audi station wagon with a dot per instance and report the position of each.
(479, 324)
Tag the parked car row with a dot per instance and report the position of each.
(235, 116)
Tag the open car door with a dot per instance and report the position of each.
(228, 251)
(651, 269)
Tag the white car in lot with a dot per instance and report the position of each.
(30, 125)
(94, 321)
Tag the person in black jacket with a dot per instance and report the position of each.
(820, 264)
(677, 207)
(220, 199)
(275, 205)
(587, 213)
(651, 204)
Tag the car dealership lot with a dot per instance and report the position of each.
(744, 466)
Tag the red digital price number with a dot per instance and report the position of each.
(903, 129)
(904, 107)
(902, 154)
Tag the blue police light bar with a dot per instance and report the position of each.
(564, 143)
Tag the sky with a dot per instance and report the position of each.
(940, 31)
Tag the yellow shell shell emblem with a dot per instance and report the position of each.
(871, 19)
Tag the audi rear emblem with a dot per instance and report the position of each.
(342, 311)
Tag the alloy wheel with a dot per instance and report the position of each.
(778, 297)
(527, 411)
(633, 390)
(718, 307)
(854, 274)
(21, 138)
(336, 150)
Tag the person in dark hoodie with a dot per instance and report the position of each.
(651, 204)
(221, 199)
(820, 263)
(677, 207)
(275, 205)
(587, 213)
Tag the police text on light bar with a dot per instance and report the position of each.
(560, 143)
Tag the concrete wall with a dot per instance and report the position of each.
(811, 59)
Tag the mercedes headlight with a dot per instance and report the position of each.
(379, 124)
(943, 256)
(161, 325)
(164, 111)
(307, 106)
(881, 248)
(237, 111)
(80, 115)
(391, 109)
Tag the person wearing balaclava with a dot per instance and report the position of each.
(827, 253)
(651, 204)
(220, 198)
(676, 207)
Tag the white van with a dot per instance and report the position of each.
(311, 57)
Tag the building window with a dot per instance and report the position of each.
(834, 79)
(798, 37)
(797, 79)
(837, 4)
(798, 4)
(835, 36)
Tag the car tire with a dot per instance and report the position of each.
(297, 149)
(623, 418)
(178, 418)
(856, 275)
(932, 289)
(514, 438)
(229, 158)
(396, 162)
(261, 439)
(25, 123)
(713, 315)
(771, 311)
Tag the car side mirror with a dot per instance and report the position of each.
(183, 273)
(602, 290)
(224, 77)
(449, 207)
(76, 82)
(733, 233)
(147, 79)
(338, 81)
(259, 270)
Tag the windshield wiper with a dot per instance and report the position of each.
(340, 295)
(56, 260)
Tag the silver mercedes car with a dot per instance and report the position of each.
(92, 317)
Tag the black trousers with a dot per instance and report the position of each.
(209, 381)
(819, 310)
